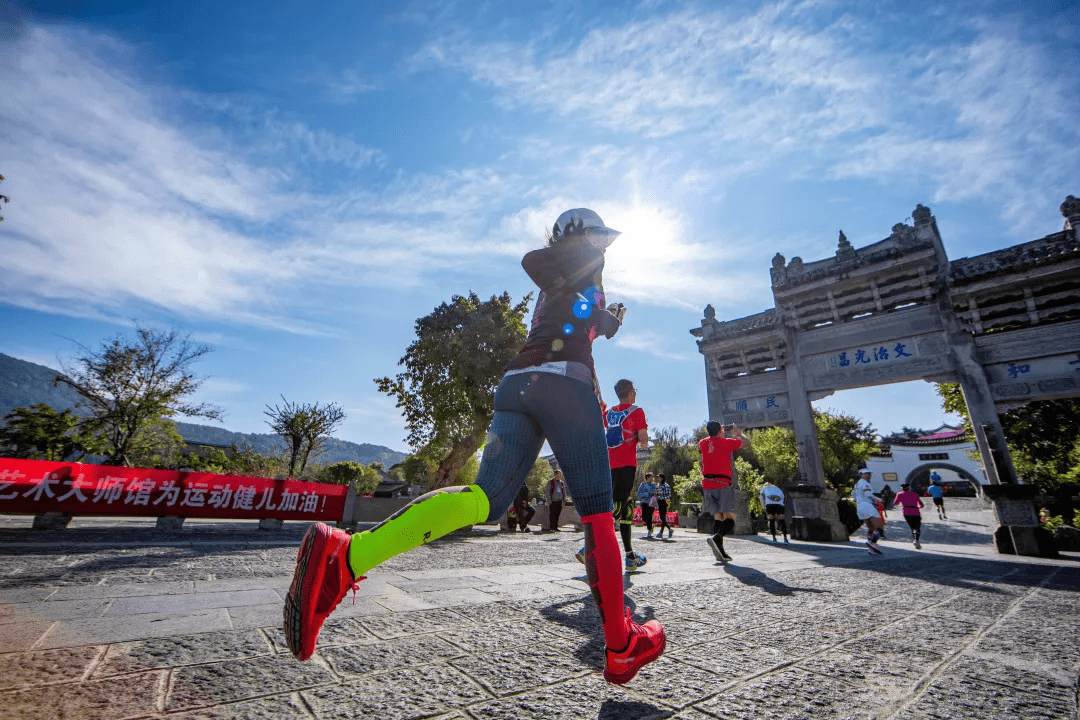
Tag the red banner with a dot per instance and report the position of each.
(36, 486)
(672, 517)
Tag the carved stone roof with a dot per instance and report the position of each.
(711, 329)
(1050, 249)
(903, 240)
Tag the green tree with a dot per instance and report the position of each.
(751, 479)
(363, 478)
(41, 433)
(538, 476)
(131, 387)
(845, 444)
(688, 487)
(468, 472)
(417, 469)
(1043, 436)
(776, 454)
(305, 427)
(157, 443)
(451, 370)
(672, 454)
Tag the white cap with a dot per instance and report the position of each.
(579, 219)
(864, 470)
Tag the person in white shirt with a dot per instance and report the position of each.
(772, 499)
(866, 506)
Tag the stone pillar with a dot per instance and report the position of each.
(1018, 531)
(51, 521)
(802, 413)
(743, 525)
(812, 514)
(989, 437)
(170, 523)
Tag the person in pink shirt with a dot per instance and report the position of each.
(912, 505)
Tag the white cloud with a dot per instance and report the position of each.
(981, 112)
(653, 344)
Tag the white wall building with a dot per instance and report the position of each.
(947, 450)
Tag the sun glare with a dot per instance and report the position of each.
(646, 233)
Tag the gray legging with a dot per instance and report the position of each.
(530, 407)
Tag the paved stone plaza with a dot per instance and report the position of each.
(111, 619)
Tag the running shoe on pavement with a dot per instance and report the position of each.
(322, 580)
(633, 562)
(580, 555)
(716, 551)
(647, 642)
(873, 547)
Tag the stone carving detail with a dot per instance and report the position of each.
(1057, 384)
(844, 251)
(778, 414)
(805, 508)
(931, 345)
(1059, 247)
(904, 234)
(778, 271)
(1019, 513)
(1071, 210)
(710, 312)
(868, 376)
(755, 417)
(763, 320)
(1012, 389)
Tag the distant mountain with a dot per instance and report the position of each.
(23, 384)
(334, 450)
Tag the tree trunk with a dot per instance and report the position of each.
(455, 460)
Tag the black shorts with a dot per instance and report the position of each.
(939, 502)
(914, 521)
(622, 491)
(774, 509)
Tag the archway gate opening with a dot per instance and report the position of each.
(1005, 325)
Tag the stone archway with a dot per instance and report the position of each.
(1004, 325)
(923, 471)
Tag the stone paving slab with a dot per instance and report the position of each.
(490, 625)
(132, 627)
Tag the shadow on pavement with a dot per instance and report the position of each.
(630, 710)
(750, 576)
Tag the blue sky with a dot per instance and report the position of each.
(296, 187)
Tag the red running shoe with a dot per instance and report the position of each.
(647, 642)
(321, 581)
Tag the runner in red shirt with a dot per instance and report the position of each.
(718, 495)
(626, 431)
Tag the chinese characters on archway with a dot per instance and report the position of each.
(768, 402)
(872, 355)
(32, 486)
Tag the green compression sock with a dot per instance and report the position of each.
(426, 518)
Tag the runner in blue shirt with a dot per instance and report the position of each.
(935, 491)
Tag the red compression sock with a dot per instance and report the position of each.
(604, 567)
